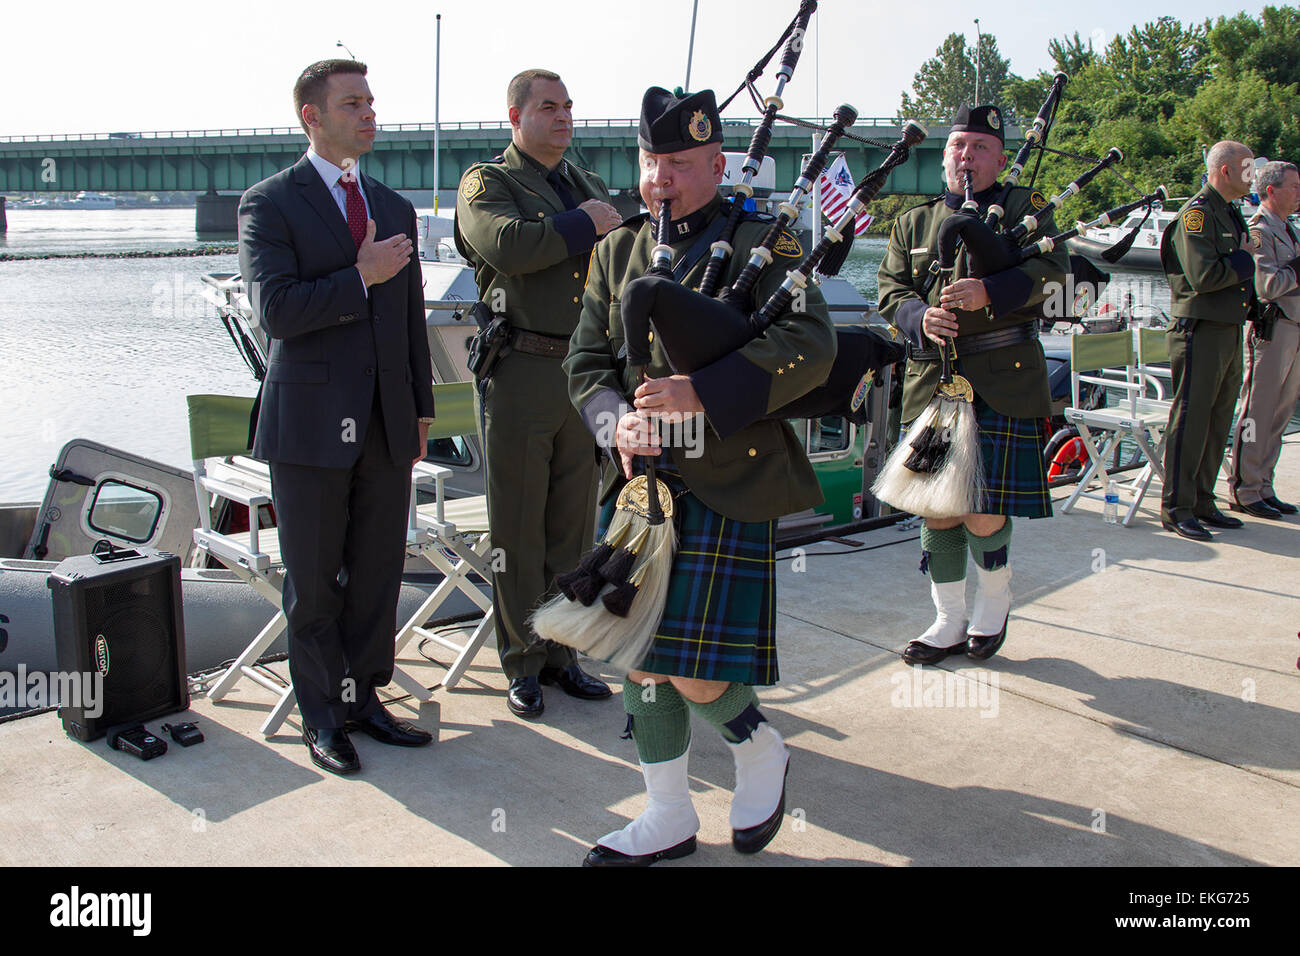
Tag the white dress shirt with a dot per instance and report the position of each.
(330, 174)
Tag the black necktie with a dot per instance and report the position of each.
(555, 182)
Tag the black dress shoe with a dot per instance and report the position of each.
(1217, 519)
(525, 697)
(1190, 528)
(753, 839)
(1285, 507)
(388, 729)
(1257, 509)
(917, 653)
(331, 749)
(575, 682)
(983, 646)
(604, 856)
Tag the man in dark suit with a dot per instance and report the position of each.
(328, 256)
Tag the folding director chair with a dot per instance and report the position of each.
(1112, 356)
(458, 543)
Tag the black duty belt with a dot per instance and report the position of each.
(534, 343)
(978, 342)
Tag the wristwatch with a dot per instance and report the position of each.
(426, 421)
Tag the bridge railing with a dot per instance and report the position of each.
(878, 121)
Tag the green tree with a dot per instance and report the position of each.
(1156, 67)
(1269, 46)
(1248, 108)
(1069, 55)
(947, 80)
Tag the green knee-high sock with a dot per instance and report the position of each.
(945, 553)
(735, 714)
(658, 719)
(990, 553)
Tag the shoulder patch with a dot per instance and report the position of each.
(1193, 221)
(471, 187)
(787, 245)
(1037, 200)
(1257, 238)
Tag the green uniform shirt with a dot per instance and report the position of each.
(1013, 379)
(1205, 258)
(528, 252)
(759, 472)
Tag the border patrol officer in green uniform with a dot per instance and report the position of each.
(1211, 280)
(716, 639)
(994, 320)
(527, 222)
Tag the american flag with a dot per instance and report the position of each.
(836, 187)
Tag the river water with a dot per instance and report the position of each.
(107, 349)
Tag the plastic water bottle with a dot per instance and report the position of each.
(1112, 502)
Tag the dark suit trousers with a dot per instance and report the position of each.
(343, 542)
(1207, 369)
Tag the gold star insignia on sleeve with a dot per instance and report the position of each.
(780, 371)
(800, 358)
(791, 365)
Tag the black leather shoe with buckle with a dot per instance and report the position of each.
(575, 682)
(981, 647)
(1189, 528)
(525, 697)
(917, 653)
(604, 856)
(387, 729)
(331, 749)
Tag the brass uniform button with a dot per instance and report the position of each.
(575, 298)
(1017, 365)
(753, 452)
(576, 276)
(650, 336)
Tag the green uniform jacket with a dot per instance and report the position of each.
(1204, 255)
(1013, 380)
(759, 471)
(529, 254)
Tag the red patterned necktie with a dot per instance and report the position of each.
(356, 209)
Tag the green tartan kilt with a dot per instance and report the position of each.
(719, 620)
(1014, 473)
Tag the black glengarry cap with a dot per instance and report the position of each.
(980, 119)
(671, 123)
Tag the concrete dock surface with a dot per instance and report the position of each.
(1143, 711)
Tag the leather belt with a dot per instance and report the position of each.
(978, 342)
(534, 343)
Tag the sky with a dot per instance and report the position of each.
(146, 65)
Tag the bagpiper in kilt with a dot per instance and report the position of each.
(716, 639)
(1009, 380)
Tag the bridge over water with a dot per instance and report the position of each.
(231, 160)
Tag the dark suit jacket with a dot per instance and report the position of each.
(331, 343)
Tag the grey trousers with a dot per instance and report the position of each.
(1268, 396)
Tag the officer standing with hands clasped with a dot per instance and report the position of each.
(716, 638)
(527, 221)
(1205, 255)
(992, 324)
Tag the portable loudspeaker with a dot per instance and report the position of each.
(117, 614)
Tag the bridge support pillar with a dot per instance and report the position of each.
(216, 216)
(3, 225)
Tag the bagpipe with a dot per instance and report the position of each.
(936, 470)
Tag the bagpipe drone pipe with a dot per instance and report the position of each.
(695, 329)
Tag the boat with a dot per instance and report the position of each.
(87, 200)
(1145, 253)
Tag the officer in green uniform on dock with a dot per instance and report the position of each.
(994, 321)
(716, 638)
(1211, 272)
(527, 222)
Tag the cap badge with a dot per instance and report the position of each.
(700, 128)
(994, 120)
